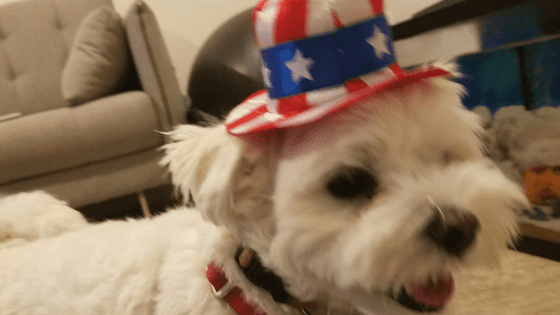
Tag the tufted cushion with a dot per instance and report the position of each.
(68, 137)
(34, 49)
(99, 63)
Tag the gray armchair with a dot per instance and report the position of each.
(82, 151)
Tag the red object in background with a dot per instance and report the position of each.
(542, 184)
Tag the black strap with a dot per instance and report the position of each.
(262, 277)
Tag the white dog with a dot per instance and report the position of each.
(385, 199)
(356, 189)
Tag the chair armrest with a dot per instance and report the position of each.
(153, 65)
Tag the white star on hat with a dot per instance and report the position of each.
(379, 42)
(265, 74)
(299, 65)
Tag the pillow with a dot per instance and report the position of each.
(99, 62)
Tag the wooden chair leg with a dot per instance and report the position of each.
(144, 205)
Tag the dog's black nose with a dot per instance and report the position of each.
(452, 229)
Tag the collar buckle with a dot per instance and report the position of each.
(223, 291)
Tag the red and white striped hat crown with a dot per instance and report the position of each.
(318, 57)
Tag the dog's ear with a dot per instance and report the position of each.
(221, 172)
(202, 161)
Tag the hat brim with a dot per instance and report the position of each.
(254, 114)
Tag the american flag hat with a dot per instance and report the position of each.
(317, 58)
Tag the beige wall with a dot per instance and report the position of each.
(186, 24)
(402, 10)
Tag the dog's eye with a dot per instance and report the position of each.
(353, 182)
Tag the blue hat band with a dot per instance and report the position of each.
(327, 60)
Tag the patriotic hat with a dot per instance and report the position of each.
(319, 57)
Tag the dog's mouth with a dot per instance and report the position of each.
(428, 296)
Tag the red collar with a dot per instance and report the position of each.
(225, 289)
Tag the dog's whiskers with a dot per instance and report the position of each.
(436, 206)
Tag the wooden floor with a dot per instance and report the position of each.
(539, 242)
(159, 199)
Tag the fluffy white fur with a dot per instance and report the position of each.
(268, 192)
(28, 216)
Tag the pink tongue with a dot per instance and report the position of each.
(434, 294)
